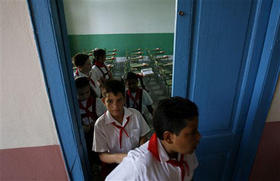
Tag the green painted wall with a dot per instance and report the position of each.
(122, 42)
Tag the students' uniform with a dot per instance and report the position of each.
(90, 110)
(151, 162)
(100, 70)
(92, 81)
(112, 137)
(140, 100)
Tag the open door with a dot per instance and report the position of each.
(218, 53)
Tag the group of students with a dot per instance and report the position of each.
(116, 130)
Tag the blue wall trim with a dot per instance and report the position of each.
(47, 17)
(263, 92)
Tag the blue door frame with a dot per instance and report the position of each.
(53, 47)
(50, 33)
(267, 77)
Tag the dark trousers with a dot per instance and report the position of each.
(92, 156)
(106, 169)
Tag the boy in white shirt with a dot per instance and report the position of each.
(99, 70)
(83, 64)
(119, 130)
(137, 97)
(169, 155)
(91, 108)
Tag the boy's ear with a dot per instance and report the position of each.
(168, 137)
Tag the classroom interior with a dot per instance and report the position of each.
(141, 43)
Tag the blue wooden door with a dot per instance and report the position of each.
(218, 46)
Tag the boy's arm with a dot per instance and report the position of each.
(101, 82)
(147, 101)
(112, 157)
(110, 74)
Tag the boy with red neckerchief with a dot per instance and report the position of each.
(83, 64)
(99, 70)
(119, 130)
(136, 97)
(91, 108)
(169, 154)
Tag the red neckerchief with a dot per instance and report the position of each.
(92, 82)
(99, 64)
(180, 164)
(138, 96)
(121, 128)
(77, 73)
(91, 101)
(153, 148)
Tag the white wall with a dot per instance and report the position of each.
(274, 112)
(25, 114)
(119, 16)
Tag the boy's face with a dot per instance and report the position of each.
(187, 140)
(132, 85)
(83, 93)
(86, 67)
(114, 103)
(102, 58)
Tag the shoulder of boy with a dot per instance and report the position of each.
(134, 111)
(100, 121)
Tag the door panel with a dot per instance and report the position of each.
(223, 58)
(222, 28)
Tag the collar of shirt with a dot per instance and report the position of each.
(80, 74)
(157, 150)
(99, 64)
(109, 119)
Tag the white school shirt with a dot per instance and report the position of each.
(106, 135)
(100, 109)
(95, 87)
(98, 74)
(146, 100)
(141, 165)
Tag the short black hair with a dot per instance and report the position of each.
(131, 76)
(98, 53)
(80, 59)
(81, 82)
(114, 86)
(172, 114)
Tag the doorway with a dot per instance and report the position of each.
(54, 52)
(138, 37)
